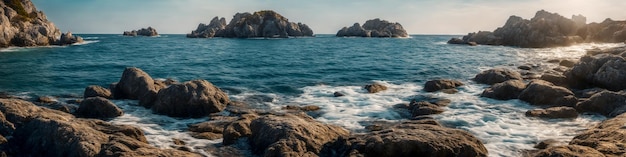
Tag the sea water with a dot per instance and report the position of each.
(302, 71)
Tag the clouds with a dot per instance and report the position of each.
(324, 16)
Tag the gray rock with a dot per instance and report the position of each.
(507, 90)
(136, 84)
(606, 103)
(374, 28)
(436, 85)
(68, 39)
(539, 92)
(195, 98)
(266, 23)
(98, 107)
(22, 25)
(142, 32)
(497, 75)
(97, 91)
(375, 88)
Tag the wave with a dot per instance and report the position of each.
(87, 42)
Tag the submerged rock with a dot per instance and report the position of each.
(374, 28)
(553, 112)
(375, 88)
(265, 23)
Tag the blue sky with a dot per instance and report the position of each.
(323, 16)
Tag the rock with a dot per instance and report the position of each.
(436, 85)
(539, 92)
(524, 67)
(567, 63)
(68, 39)
(497, 75)
(43, 132)
(291, 135)
(212, 129)
(611, 74)
(136, 84)
(553, 112)
(608, 31)
(338, 94)
(46, 100)
(608, 137)
(456, 41)
(606, 103)
(130, 33)
(409, 139)
(506, 90)
(98, 107)
(23, 25)
(97, 91)
(238, 129)
(569, 150)
(374, 28)
(265, 23)
(307, 108)
(142, 32)
(195, 98)
(546, 144)
(471, 43)
(556, 79)
(375, 88)
(424, 108)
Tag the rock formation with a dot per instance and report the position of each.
(195, 98)
(23, 25)
(265, 23)
(142, 32)
(374, 28)
(547, 29)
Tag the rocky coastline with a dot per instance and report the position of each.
(260, 24)
(547, 29)
(374, 28)
(23, 26)
(149, 32)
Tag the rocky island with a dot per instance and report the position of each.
(547, 29)
(142, 32)
(374, 28)
(23, 25)
(266, 24)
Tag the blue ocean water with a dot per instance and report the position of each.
(302, 71)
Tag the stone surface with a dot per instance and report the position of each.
(608, 137)
(375, 88)
(506, 90)
(238, 129)
(374, 28)
(539, 92)
(265, 23)
(497, 75)
(22, 25)
(98, 107)
(569, 151)
(606, 103)
(195, 98)
(97, 91)
(436, 85)
(553, 112)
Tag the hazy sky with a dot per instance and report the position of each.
(323, 16)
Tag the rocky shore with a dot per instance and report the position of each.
(374, 28)
(547, 29)
(150, 32)
(265, 24)
(23, 25)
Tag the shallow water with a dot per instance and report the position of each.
(301, 71)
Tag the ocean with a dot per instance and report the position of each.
(273, 73)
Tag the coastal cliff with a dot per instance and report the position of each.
(266, 23)
(547, 29)
(23, 25)
(374, 28)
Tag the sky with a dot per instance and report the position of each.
(323, 16)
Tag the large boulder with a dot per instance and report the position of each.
(553, 112)
(497, 75)
(22, 24)
(265, 23)
(136, 84)
(506, 90)
(195, 98)
(608, 137)
(97, 91)
(436, 85)
(374, 28)
(606, 103)
(68, 39)
(539, 92)
(98, 107)
(291, 135)
(409, 139)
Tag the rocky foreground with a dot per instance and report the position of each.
(374, 28)
(547, 29)
(150, 32)
(22, 25)
(265, 24)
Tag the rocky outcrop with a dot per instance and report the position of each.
(547, 29)
(291, 135)
(142, 32)
(23, 25)
(37, 131)
(374, 28)
(408, 139)
(136, 84)
(68, 39)
(266, 24)
(553, 112)
(569, 150)
(497, 75)
(375, 88)
(608, 137)
(604, 70)
(97, 91)
(506, 90)
(442, 84)
(539, 92)
(98, 107)
(606, 103)
(195, 98)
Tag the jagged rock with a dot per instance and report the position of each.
(607, 31)
(238, 129)
(130, 33)
(374, 28)
(606, 103)
(506, 90)
(142, 32)
(539, 92)
(266, 23)
(68, 39)
(291, 135)
(497, 75)
(23, 25)
(375, 88)
(608, 137)
(98, 107)
(97, 91)
(436, 85)
(195, 98)
(603, 70)
(553, 112)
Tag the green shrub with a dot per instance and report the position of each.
(17, 6)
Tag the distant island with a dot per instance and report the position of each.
(548, 30)
(142, 32)
(265, 23)
(374, 28)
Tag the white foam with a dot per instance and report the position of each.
(87, 42)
